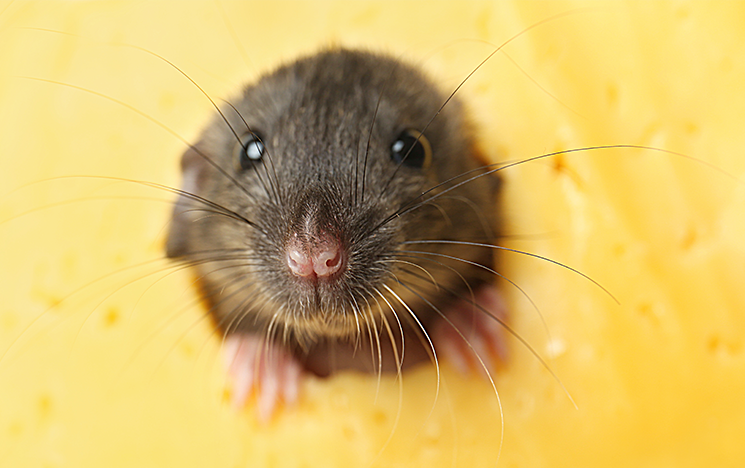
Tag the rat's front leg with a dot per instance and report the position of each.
(471, 335)
(260, 366)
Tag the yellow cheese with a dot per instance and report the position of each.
(106, 364)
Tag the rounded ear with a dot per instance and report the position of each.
(495, 181)
(185, 211)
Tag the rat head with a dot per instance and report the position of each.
(300, 196)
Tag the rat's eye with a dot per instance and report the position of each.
(249, 150)
(411, 149)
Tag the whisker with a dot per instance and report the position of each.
(378, 332)
(399, 362)
(517, 336)
(463, 82)
(432, 278)
(236, 41)
(159, 330)
(219, 208)
(424, 332)
(374, 340)
(369, 136)
(399, 372)
(239, 318)
(356, 314)
(479, 358)
(488, 231)
(490, 270)
(521, 252)
(413, 204)
(5, 8)
(209, 160)
(438, 263)
(274, 186)
(78, 290)
(74, 201)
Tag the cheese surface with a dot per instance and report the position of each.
(107, 359)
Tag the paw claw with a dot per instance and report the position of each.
(292, 381)
(472, 337)
(264, 369)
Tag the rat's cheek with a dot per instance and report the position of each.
(471, 335)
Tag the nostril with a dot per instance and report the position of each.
(329, 261)
(333, 262)
(300, 264)
(320, 259)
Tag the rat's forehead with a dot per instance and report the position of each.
(334, 100)
(342, 79)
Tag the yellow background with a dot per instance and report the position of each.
(124, 372)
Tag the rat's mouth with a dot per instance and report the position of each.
(309, 328)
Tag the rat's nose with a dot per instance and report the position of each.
(320, 259)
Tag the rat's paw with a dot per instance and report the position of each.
(472, 337)
(261, 367)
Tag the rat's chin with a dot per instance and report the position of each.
(307, 328)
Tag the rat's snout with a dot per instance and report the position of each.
(315, 249)
(317, 257)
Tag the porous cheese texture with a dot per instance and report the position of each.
(107, 359)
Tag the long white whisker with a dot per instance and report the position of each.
(490, 270)
(426, 336)
(478, 357)
(399, 374)
(521, 252)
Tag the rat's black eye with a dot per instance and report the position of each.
(411, 149)
(249, 150)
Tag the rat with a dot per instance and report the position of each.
(337, 215)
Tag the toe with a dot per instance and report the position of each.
(266, 370)
(473, 336)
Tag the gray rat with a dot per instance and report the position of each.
(337, 216)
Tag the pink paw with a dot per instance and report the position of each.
(263, 368)
(471, 338)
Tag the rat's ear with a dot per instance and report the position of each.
(493, 179)
(186, 210)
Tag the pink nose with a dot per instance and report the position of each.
(322, 261)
